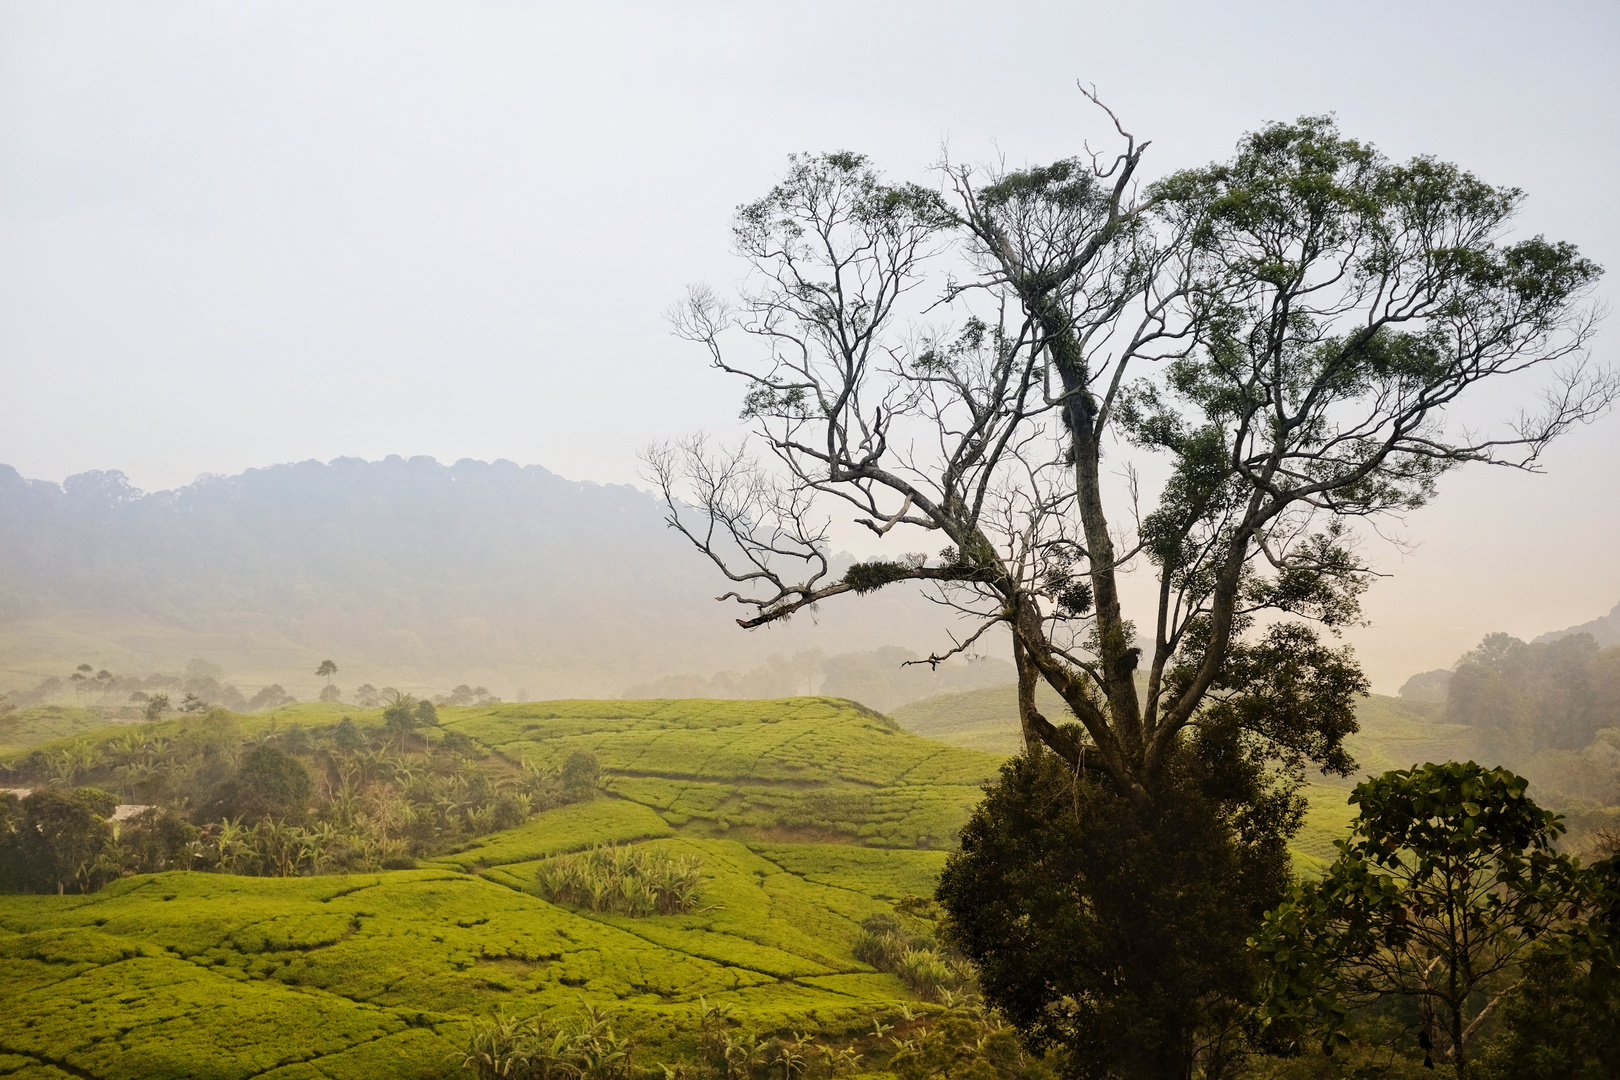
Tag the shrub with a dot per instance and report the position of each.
(623, 880)
(586, 1048)
(931, 972)
(580, 774)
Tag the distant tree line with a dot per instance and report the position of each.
(201, 687)
(1549, 709)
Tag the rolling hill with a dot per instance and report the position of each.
(809, 816)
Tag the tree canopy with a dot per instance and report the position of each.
(270, 785)
(1284, 334)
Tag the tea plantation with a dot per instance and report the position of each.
(808, 816)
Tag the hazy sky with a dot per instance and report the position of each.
(232, 235)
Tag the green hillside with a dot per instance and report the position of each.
(984, 720)
(808, 815)
(46, 723)
(1395, 734)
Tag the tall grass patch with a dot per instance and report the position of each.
(623, 880)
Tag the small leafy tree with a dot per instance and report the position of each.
(400, 718)
(56, 837)
(327, 670)
(1117, 939)
(580, 774)
(347, 736)
(1447, 878)
(270, 784)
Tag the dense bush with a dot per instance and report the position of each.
(269, 785)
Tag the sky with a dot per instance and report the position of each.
(234, 235)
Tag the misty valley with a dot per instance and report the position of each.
(731, 872)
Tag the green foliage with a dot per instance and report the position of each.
(269, 784)
(1294, 694)
(1448, 876)
(346, 736)
(49, 841)
(623, 880)
(957, 1047)
(580, 774)
(401, 717)
(155, 840)
(1560, 1022)
(536, 1049)
(1116, 934)
(911, 952)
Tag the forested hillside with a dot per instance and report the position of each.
(405, 571)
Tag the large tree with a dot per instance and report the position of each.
(1281, 342)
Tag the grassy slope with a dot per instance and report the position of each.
(364, 975)
(1394, 734)
(46, 723)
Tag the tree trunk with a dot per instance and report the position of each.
(1117, 658)
(1029, 717)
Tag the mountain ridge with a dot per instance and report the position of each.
(406, 571)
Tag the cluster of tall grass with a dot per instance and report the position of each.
(906, 946)
(585, 1048)
(970, 1043)
(960, 1043)
(622, 879)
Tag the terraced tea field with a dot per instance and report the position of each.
(809, 815)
